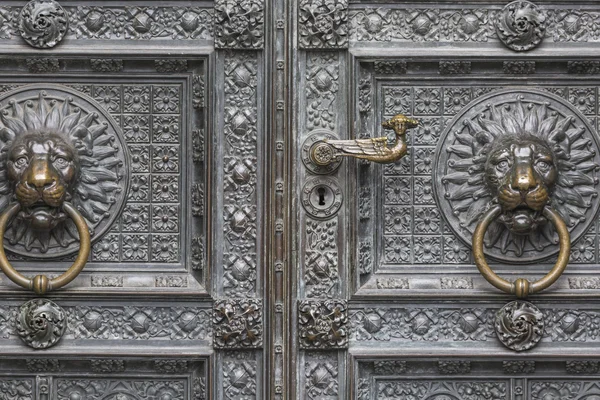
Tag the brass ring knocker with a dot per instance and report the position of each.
(521, 287)
(41, 284)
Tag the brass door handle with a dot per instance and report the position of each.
(41, 284)
(521, 287)
(325, 152)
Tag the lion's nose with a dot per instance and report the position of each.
(39, 177)
(523, 178)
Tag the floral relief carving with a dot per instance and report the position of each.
(397, 100)
(321, 376)
(455, 99)
(584, 98)
(109, 97)
(567, 390)
(454, 367)
(43, 23)
(16, 389)
(322, 74)
(136, 99)
(441, 390)
(171, 65)
(582, 367)
(171, 366)
(138, 189)
(239, 24)
(239, 375)
(139, 323)
(106, 64)
(237, 324)
(165, 248)
(518, 367)
(455, 67)
(136, 129)
(323, 24)
(107, 366)
(166, 99)
(240, 149)
(121, 389)
(466, 25)
(583, 67)
(396, 324)
(165, 128)
(521, 25)
(323, 324)
(140, 23)
(321, 275)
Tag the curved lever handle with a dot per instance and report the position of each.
(521, 287)
(376, 150)
(41, 284)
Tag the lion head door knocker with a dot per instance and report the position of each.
(63, 179)
(324, 152)
(518, 175)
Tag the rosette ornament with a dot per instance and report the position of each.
(519, 325)
(521, 25)
(43, 23)
(41, 323)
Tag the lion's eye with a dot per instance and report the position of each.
(61, 161)
(543, 165)
(21, 162)
(502, 165)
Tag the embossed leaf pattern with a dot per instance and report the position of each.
(422, 324)
(237, 324)
(323, 23)
(239, 24)
(323, 324)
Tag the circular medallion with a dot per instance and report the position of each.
(321, 197)
(522, 149)
(58, 145)
(521, 25)
(314, 142)
(519, 325)
(43, 23)
(41, 323)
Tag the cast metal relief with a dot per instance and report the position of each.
(321, 379)
(519, 325)
(237, 324)
(239, 24)
(80, 150)
(43, 23)
(474, 170)
(117, 389)
(387, 389)
(240, 132)
(377, 150)
(521, 25)
(41, 323)
(323, 324)
(323, 24)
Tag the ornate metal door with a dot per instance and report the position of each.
(501, 169)
(313, 199)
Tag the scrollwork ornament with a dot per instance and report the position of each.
(519, 325)
(521, 25)
(41, 323)
(43, 23)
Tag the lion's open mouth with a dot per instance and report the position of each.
(41, 216)
(522, 219)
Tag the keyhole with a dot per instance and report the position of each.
(321, 192)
